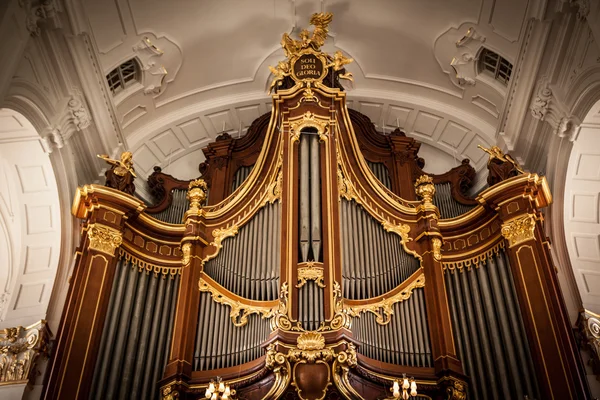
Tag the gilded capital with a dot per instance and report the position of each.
(196, 194)
(425, 188)
(104, 239)
(19, 350)
(519, 230)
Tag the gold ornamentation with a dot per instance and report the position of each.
(19, 350)
(496, 153)
(196, 195)
(186, 250)
(456, 389)
(340, 319)
(436, 243)
(149, 267)
(104, 239)
(339, 60)
(309, 119)
(275, 189)
(239, 312)
(384, 309)
(122, 166)
(280, 315)
(321, 22)
(473, 261)
(282, 70)
(169, 394)
(311, 349)
(219, 235)
(310, 272)
(345, 187)
(519, 230)
(401, 230)
(425, 188)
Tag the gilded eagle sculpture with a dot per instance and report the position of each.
(321, 23)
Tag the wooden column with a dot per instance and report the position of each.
(218, 156)
(179, 368)
(404, 151)
(555, 354)
(105, 211)
(448, 367)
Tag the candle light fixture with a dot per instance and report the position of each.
(408, 386)
(219, 390)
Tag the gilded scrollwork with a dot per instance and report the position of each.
(456, 389)
(280, 314)
(436, 243)
(19, 350)
(104, 239)
(384, 309)
(219, 235)
(311, 348)
(519, 230)
(310, 272)
(309, 119)
(239, 312)
(401, 230)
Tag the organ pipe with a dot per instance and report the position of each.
(220, 344)
(446, 204)
(489, 331)
(403, 341)
(248, 263)
(373, 260)
(136, 334)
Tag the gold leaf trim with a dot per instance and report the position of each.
(239, 312)
(473, 261)
(383, 309)
(104, 239)
(519, 230)
(219, 235)
(310, 272)
(148, 267)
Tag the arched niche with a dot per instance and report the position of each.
(30, 221)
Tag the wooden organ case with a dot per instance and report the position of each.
(315, 259)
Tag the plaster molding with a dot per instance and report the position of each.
(465, 58)
(46, 11)
(548, 107)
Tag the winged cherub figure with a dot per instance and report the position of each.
(121, 174)
(282, 70)
(339, 60)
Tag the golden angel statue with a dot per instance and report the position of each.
(501, 166)
(282, 70)
(338, 62)
(121, 174)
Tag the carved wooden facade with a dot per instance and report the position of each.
(328, 267)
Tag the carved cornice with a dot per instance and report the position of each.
(471, 260)
(19, 350)
(104, 239)
(149, 267)
(519, 230)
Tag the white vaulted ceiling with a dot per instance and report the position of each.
(216, 53)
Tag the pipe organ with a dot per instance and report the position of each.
(315, 258)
